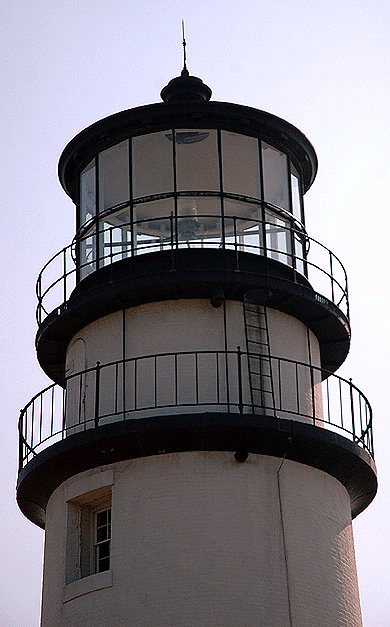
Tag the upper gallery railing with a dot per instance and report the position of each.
(274, 239)
(191, 382)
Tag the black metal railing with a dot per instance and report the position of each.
(275, 239)
(191, 382)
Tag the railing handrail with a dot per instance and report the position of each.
(172, 241)
(360, 434)
(105, 213)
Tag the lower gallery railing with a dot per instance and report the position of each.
(192, 382)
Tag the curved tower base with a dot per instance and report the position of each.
(199, 539)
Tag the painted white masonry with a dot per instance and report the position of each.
(201, 540)
(186, 325)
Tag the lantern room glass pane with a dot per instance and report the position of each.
(278, 237)
(199, 221)
(114, 176)
(245, 228)
(299, 252)
(240, 164)
(275, 176)
(295, 194)
(87, 253)
(197, 160)
(153, 225)
(152, 164)
(115, 236)
(88, 193)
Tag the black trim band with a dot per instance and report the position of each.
(264, 435)
(192, 273)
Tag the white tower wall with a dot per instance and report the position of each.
(187, 326)
(198, 539)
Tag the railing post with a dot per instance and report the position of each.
(171, 227)
(331, 275)
(20, 429)
(239, 374)
(236, 244)
(64, 260)
(313, 397)
(64, 409)
(39, 296)
(171, 224)
(346, 295)
(97, 393)
(352, 409)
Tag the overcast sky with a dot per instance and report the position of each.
(321, 65)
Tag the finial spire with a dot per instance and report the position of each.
(184, 70)
(185, 88)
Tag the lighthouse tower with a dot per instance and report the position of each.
(197, 460)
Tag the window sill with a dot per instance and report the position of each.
(78, 588)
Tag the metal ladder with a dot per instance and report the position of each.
(259, 357)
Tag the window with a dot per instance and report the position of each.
(102, 533)
(88, 193)
(276, 189)
(240, 164)
(88, 548)
(197, 160)
(114, 184)
(295, 193)
(183, 187)
(152, 164)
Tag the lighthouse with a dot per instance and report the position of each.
(197, 460)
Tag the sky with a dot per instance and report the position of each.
(324, 66)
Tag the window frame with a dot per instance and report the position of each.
(80, 548)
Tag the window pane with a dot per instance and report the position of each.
(103, 557)
(153, 225)
(275, 176)
(199, 221)
(197, 160)
(101, 534)
(241, 209)
(152, 164)
(114, 176)
(299, 253)
(245, 231)
(115, 234)
(88, 193)
(295, 193)
(101, 518)
(102, 540)
(87, 252)
(278, 238)
(240, 164)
